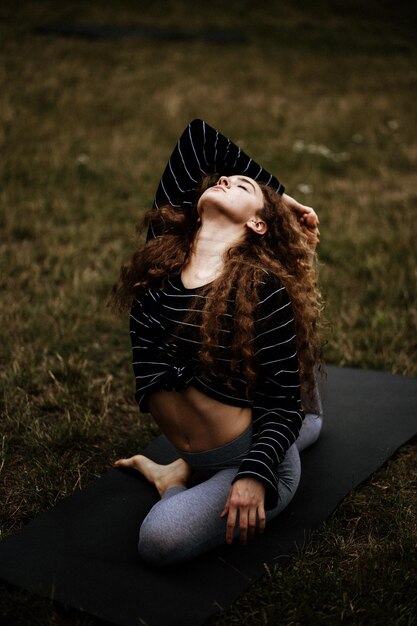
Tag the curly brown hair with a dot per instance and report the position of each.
(282, 251)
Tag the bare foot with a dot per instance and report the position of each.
(163, 477)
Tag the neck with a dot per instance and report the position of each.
(208, 249)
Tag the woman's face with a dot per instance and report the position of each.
(238, 197)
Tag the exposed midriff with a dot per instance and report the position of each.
(193, 422)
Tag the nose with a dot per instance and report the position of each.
(223, 180)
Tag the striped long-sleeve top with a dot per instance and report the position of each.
(165, 356)
(200, 151)
(166, 343)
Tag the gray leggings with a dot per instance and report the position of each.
(187, 522)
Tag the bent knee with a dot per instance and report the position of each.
(161, 546)
(310, 431)
(314, 423)
(290, 470)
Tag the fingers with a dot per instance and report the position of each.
(313, 238)
(310, 228)
(226, 508)
(243, 525)
(231, 523)
(245, 501)
(309, 218)
(251, 523)
(306, 215)
(261, 519)
(251, 520)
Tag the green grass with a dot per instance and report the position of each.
(324, 96)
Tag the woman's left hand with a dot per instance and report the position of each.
(307, 218)
(306, 215)
(246, 498)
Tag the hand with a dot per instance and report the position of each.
(313, 237)
(306, 215)
(307, 218)
(246, 497)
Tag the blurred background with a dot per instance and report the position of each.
(93, 97)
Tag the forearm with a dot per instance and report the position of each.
(202, 150)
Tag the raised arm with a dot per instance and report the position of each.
(201, 150)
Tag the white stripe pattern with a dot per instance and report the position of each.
(201, 143)
(177, 341)
(169, 348)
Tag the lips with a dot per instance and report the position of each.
(219, 187)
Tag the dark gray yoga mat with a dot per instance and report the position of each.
(83, 551)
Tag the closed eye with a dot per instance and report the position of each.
(245, 188)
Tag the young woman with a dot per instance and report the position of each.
(224, 334)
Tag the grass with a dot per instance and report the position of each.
(324, 97)
(340, 576)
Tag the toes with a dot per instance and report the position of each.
(124, 462)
